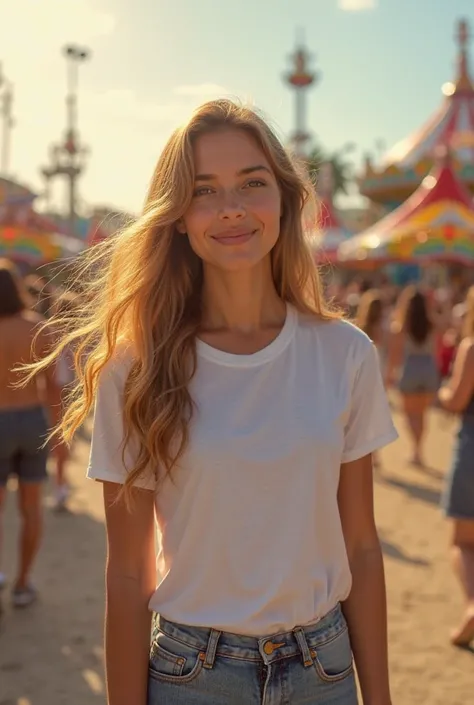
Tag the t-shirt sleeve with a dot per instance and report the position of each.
(106, 460)
(369, 425)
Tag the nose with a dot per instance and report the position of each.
(232, 207)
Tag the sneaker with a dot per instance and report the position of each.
(62, 494)
(24, 597)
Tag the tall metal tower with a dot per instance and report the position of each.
(300, 79)
(8, 123)
(67, 158)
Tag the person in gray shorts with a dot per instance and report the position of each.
(412, 362)
(23, 423)
(22, 452)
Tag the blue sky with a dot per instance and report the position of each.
(382, 65)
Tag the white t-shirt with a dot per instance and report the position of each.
(250, 538)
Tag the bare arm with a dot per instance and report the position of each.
(457, 393)
(52, 389)
(365, 609)
(130, 582)
(396, 340)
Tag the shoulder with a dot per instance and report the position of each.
(466, 349)
(468, 342)
(340, 338)
(32, 317)
(396, 328)
(118, 367)
(336, 331)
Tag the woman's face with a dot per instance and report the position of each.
(233, 221)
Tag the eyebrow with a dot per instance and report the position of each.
(242, 172)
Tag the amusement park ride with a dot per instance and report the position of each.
(6, 112)
(329, 232)
(67, 158)
(408, 162)
(426, 186)
(300, 79)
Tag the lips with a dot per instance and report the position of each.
(233, 237)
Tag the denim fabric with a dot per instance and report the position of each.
(198, 666)
(458, 496)
(22, 435)
(419, 375)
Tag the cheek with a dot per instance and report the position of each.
(199, 217)
(266, 207)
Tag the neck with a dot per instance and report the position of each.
(244, 301)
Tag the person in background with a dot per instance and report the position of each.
(457, 395)
(412, 362)
(63, 309)
(23, 422)
(236, 407)
(41, 294)
(370, 318)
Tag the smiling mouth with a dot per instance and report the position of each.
(234, 238)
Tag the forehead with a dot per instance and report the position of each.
(225, 151)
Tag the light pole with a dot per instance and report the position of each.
(6, 112)
(66, 157)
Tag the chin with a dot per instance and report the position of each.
(240, 263)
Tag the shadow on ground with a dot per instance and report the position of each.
(51, 653)
(393, 551)
(430, 495)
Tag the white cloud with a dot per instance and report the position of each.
(201, 90)
(357, 5)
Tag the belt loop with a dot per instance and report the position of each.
(211, 648)
(300, 637)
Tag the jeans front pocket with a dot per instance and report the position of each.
(333, 660)
(174, 661)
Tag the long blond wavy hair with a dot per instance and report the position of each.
(141, 288)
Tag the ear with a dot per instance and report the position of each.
(180, 227)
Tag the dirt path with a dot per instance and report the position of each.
(52, 654)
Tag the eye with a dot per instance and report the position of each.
(202, 191)
(255, 183)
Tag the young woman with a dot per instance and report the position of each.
(23, 424)
(458, 396)
(233, 404)
(412, 356)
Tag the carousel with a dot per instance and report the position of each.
(434, 225)
(409, 162)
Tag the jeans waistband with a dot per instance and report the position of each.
(300, 640)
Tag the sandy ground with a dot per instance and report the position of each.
(52, 653)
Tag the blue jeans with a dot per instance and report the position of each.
(199, 666)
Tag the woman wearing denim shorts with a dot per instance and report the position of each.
(235, 406)
(458, 499)
(412, 355)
